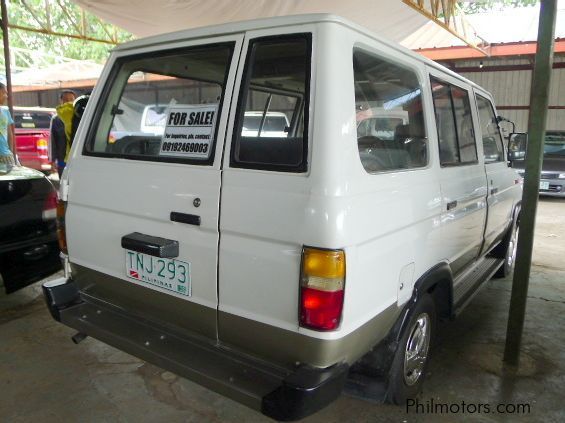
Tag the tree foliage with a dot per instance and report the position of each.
(60, 16)
(482, 6)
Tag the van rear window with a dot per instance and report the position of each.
(163, 106)
(271, 125)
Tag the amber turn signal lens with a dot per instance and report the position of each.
(323, 263)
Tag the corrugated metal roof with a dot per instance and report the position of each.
(55, 74)
(497, 27)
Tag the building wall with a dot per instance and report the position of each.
(509, 81)
(43, 98)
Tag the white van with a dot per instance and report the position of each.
(265, 267)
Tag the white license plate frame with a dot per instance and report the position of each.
(544, 185)
(155, 272)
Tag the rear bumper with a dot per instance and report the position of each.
(283, 394)
(25, 262)
(34, 162)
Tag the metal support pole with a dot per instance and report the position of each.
(4, 24)
(536, 133)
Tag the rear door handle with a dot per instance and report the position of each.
(451, 205)
(493, 190)
(152, 245)
(190, 219)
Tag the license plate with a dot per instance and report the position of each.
(170, 274)
(543, 185)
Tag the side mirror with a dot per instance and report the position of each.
(517, 144)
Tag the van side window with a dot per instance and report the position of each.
(272, 119)
(454, 124)
(389, 114)
(490, 133)
(163, 106)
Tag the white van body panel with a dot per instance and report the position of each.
(125, 209)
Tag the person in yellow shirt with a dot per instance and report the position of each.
(61, 130)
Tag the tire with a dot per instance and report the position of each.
(2, 286)
(406, 375)
(509, 252)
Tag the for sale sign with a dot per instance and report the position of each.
(189, 131)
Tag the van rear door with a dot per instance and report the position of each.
(144, 183)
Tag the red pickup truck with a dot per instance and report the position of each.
(32, 126)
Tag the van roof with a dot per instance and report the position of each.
(279, 21)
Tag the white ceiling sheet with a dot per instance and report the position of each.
(389, 18)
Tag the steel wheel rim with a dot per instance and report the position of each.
(512, 249)
(416, 350)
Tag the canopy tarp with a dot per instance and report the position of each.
(389, 18)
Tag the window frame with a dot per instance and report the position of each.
(246, 86)
(364, 48)
(109, 84)
(437, 79)
(504, 153)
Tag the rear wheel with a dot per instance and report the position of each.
(411, 359)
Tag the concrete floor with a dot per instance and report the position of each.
(45, 377)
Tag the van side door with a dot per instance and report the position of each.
(462, 176)
(500, 178)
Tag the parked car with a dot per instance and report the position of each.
(32, 127)
(552, 182)
(28, 238)
(267, 125)
(380, 122)
(273, 270)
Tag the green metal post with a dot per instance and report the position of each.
(536, 133)
(4, 24)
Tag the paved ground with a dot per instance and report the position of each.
(45, 377)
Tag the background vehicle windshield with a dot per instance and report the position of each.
(554, 144)
(32, 120)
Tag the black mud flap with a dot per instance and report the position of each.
(305, 392)
(60, 294)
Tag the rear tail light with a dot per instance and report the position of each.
(61, 234)
(41, 145)
(322, 283)
(50, 206)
